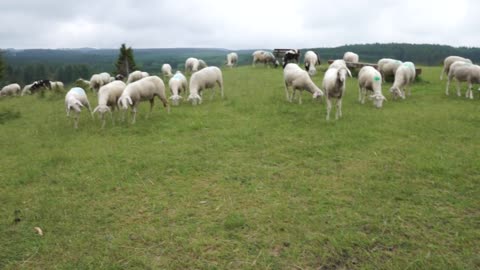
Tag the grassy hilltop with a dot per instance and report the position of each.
(248, 182)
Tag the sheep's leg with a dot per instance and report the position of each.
(152, 101)
(293, 94)
(165, 103)
(134, 114)
(76, 120)
(441, 74)
(470, 91)
(329, 107)
(103, 120)
(448, 86)
(286, 92)
(459, 93)
(213, 93)
(338, 113)
(300, 97)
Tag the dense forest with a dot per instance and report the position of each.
(67, 65)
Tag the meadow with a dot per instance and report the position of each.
(248, 182)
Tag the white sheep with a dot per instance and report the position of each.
(99, 80)
(299, 79)
(136, 75)
(177, 84)
(451, 74)
(232, 59)
(334, 86)
(57, 86)
(449, 61)
(144, 89)
(167, 70)
(201, 64)
(108, 96)
(264, 57)
(26, 90)
(464, 72)
(404, 76)
(191, 65)
(339, 63)
(75, 99)
(204, 79)
(370, 79)
(311, 59)
(10, 90)
(351, 57)
(388, 67)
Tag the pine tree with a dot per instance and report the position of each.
(125, 62)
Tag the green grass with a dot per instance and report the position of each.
(248, 182)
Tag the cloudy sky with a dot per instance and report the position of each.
(234, 24)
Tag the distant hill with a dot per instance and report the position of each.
(23, 66)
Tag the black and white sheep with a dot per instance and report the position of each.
(291, 56)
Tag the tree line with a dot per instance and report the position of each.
(26, 66)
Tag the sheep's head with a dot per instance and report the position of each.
(76, 106)
(124, 101)
(396, 92)
(378, 100)
(312, 70)
(195, 99)
(342, 74)
(318, 94)
(176, 99)
(102, 109)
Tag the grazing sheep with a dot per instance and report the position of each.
(388, 67)
(452, 67)
(334, 86)
(10, 90)
(311, 59)
(404, 76)
(232, 59)
(167, 70)
(299, 79)
(26, 90)
(75, 99)
(201, 64)
(144, 89)
(291, 56)
(136, 75)
(339, 63)
(99, 80)
(57, 86)
(351, 57)
(177, 84)
(464, 72)
(264, 57)
(449, 61)
(204, 79)
(370, 79)
(191, 65)
(108, 96)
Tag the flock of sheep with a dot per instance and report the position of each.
(116, 93)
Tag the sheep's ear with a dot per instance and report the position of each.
(95, 110)
(130, 100)
(79, 103)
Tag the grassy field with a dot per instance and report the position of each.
(247, 182)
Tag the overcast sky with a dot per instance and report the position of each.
(233, 24)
